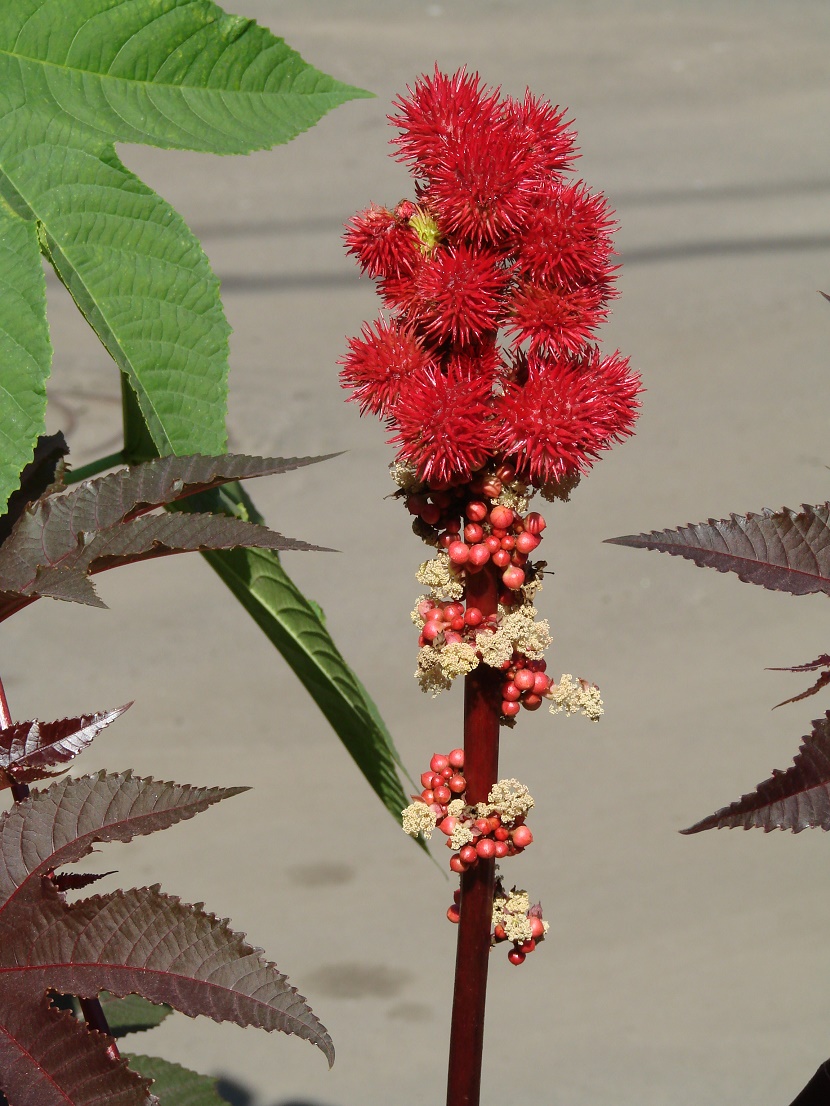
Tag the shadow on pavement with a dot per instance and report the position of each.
(237, 1094)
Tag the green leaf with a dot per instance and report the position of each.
(179, 74)
(25, 350)
(293, 625)
(174, 1085)
(132, 1014)
(76, 78)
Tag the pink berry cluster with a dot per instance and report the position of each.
(531, 918)
(494, 280)
(487, 837)
(475, 531)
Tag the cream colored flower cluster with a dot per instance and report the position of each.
(518, 632)
(511, 912)
(509, 799)
(575, 697)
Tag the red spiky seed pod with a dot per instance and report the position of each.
(568, 411)
(386, 354)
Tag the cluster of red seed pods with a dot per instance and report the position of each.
(525, 685)
(489, 837)
(536, 926)
(476, 532)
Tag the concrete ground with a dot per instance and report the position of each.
(679, 971)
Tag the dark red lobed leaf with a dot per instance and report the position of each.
(780, 550)
(48, 1058)
(797, 799)
(143, 942)
(26, 748)
(62, 824)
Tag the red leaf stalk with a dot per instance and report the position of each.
(482, 707)
(90, 1007)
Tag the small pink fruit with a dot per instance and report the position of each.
(457, 784)
(537, 927)
(459, 552)
(541, 683)
(534, 523)
(439, 762)
(442, 795)
(431, 631)
(513, 578)
(473, 533)
(524, 679)
(458, 865)
(476, 510)
(501, 558)
(501, 850)
(522, 837)
(501, 833)
(492, 487)
(510, 710)
(428, 796)
(480, 555)
(531, 701)
(473, 616)
(506, 473)
(498, 932)
(468, 854)
(447, 825)
(527, 946)
(456, 757)
(482, 825)
(508, 542)
(501, 518)
(430, 514)
(453, 913)
(516, 956)
(426, 779)
(527, 542)
(511, 692)
(486, 848)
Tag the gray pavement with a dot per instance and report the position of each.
(679, 971)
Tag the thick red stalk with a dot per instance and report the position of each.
(90, 1007)
(482, 710)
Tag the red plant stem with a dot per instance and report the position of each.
(482, 710)
(90, 1007)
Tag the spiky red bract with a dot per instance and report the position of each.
(558, 320)
(566, 239)
(444, 424)
(385, 245)
(436, 112)
(566, 413)
(541, 129)
(459, 292)
(463, 141)
(378, 362)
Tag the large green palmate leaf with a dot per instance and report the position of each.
(295, 626)
(25, 353)
(74, 79)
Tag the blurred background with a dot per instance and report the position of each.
(678, 970)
